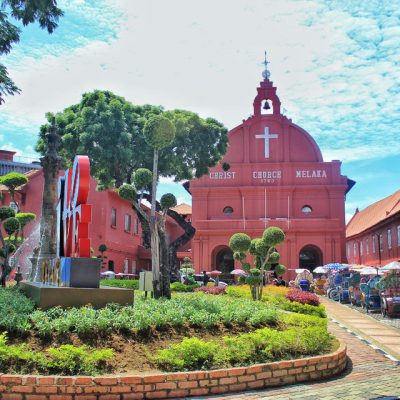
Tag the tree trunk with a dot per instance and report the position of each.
(187, 235)
(164, 265)
(155, 250)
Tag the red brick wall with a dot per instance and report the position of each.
(172, 385)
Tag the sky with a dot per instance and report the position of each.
(335, 63)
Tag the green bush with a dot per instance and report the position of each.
(294, 306)
(190, 354)
(66, 359)
(122, 283)
(195, 309)
(239, 242)
(127, 192)
(262, 345)
(15, 309)
(181, 287)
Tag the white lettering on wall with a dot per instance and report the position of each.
(315, 173)
(267, 176)
(222, 175)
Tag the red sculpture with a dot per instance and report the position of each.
(74, 213)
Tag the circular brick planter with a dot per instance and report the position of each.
(172, 385)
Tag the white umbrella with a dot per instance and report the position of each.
(106, 273)
(320, 270)
(369, 271)
(239, 272)
(300, 270)
(391, 266)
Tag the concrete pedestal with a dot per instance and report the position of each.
(46, 296)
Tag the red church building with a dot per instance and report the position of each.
(273, 174)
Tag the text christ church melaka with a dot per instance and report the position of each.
(277, 177)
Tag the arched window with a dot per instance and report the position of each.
(228, 210)
(306, 210)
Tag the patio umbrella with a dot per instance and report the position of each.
(369, 271)
(320, 270)
(239, 272)
(336, 266)
(391, 266)
(215, 272)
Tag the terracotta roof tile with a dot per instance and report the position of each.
(183, 209)
(373, 214)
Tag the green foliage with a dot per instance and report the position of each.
(159, 132)
(280, 270)
(168, 200)
(28, 11)
(274, 257)
(261, 248)
(294, 306)
(239, 255)
(239, 242)
(272, 236)
(122, 283)
(187, 270)
(102, 248)
(226, 166)
(262, 345)
(66, 359)
(196, 309)
(181, 287)
(127, 192)
(142, 178)
(6, 212)
(78, 360)
(25, 218)
(11, 225)
(15, 309)
(190, 354)
(12, 180)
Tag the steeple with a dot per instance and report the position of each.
(266, 92)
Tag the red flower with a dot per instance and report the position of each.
(303, 297)
(211, 289)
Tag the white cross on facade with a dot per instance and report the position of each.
(266, 137)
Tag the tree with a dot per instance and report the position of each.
(102, 249)
(45, 12)
(12, 181)
(109, 129)
(265, 256)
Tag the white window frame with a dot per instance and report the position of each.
(134, 266)
(354, 249)
(374, 244)
(127, 223)
(398, 235)
(380, 243)
(389, 238)
(361, 248)
(367, 246)
(113, 217)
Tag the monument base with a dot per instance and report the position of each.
(46, 296)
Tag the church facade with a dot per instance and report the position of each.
(273, 174)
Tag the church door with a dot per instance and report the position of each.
(224, 261)
(310, 257)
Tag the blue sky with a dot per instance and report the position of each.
(336, 65)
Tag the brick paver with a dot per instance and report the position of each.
(369, 375)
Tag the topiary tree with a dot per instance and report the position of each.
(158, 132)
(265, 256)
(12, 181)
(24, 219)
(102, 249)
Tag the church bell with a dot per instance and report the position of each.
(266, 106)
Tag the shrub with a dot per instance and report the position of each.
(66, 359)
(190, 354)
(294, 306)
(6, 212)
(239, 242)
(168, 200)
(142, 178)
(273, 236)
(127, 192)
(158, 131)
(15, 309)
(181, 287)
(122, 283)
(262, 345)
(303, 297)
(211, 289)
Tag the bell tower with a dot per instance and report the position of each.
(266, 91)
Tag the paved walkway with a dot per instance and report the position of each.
(369, 375)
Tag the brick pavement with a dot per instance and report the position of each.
(369, 375)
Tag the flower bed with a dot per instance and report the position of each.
(303, 297)
(175, 385)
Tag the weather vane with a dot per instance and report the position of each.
(266, 74)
